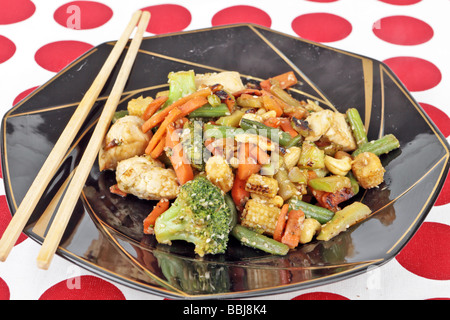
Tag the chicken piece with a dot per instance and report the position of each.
(368, 170)
(312, 106)
(340, 133)
(124, 140)
(230, 80)
(219, 173)
(146, 178)
(319, 122)
(333, 126)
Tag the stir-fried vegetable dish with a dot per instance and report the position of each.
(226, 159)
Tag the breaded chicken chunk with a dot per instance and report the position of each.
(124, 140)
(146, 178)
(368, 170)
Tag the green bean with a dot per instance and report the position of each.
(234, 213)
(255, 240)
(219, 132)
(322, 215)
(209, 111)
(232, 120)
(294, 142)
(357, 126)
(354, 182)
(273, 134)
(383, 145)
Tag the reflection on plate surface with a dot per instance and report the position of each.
(105, 232)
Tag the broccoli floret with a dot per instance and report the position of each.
(199, 215)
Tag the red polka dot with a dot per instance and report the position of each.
(439, 117)
(444, 196)
(81, 15)
(416, 74)
(321, 27)
(7, 49)
(401, 2)
(241, 14)
(166, 18)
(5, 218)
(320, 296)
(15, 11)
(56, 55)
(402, 30)
(23, 95)
(427, 254)
(83, 288)
(438, 299)
(4, 290)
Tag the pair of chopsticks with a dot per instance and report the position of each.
(50, 166)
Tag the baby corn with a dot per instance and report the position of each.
(260, 217)
(262, 185)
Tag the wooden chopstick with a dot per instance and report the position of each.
(76, 185)
(58, 152)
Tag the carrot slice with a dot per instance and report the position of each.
(115, 189)
(171, 118)
(331, 200)
(159, 117)
(158, 150)
(259, 155)
(158, 210)
(285, 80)
(286, 126)
(192, 105)
(211, 145)
(181, 165)
(281, 223)
(247, 164)
(180, 122)
(231, 103)
(154, 106)
(273, 122)
(270, 103)
(253, 92)
(291, 236)
(311, 174)
(239, 194)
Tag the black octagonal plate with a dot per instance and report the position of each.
(105, 232)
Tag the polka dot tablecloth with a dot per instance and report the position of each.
(39, 37)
